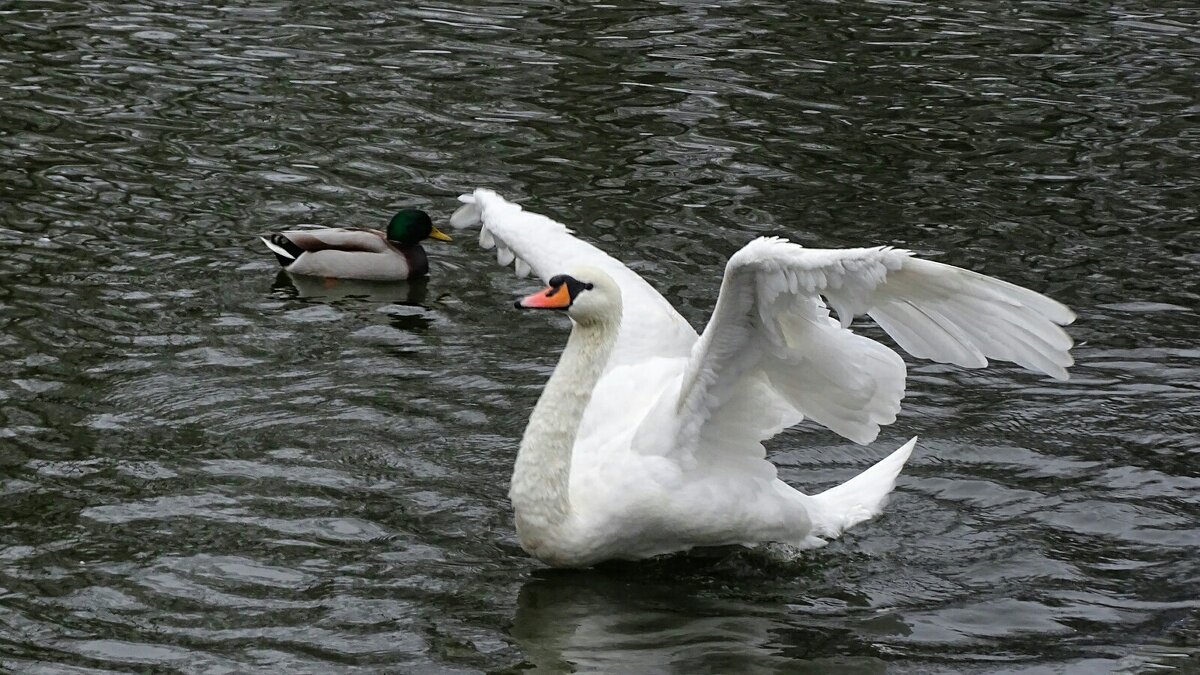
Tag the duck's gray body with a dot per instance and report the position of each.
(347, 253)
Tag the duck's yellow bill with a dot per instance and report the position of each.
(554, 297)
(439, 235)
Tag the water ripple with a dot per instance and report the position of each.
(209, 466)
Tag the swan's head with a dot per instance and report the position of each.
(587, 294)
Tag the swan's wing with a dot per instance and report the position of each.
(771, 337)
(650, 326)
(338, 239)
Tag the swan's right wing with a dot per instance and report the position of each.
(771, 338)
(650, 326)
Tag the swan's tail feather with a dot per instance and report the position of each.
(858, 499)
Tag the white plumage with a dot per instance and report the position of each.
(647, 439)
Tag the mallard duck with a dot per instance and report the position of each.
(359, 253)
(647, 439)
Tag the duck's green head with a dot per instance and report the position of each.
(411, 226)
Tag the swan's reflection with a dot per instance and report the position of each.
(671, 620)
(411, 292)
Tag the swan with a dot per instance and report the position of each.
(647, 438)
(359, 253)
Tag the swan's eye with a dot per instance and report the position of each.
(574, 286)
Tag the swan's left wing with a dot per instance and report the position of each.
(771, 339)
(650, 326)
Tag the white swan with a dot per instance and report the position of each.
(647, 437)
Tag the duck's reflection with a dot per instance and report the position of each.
(411, 292)
(665, 620)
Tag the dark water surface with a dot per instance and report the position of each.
(208, 469)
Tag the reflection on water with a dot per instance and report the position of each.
(684, 615)
(209, 466)
(411, 292)
(599, 624)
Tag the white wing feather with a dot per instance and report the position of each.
(650, 326)
(771, 322)
(277, 250)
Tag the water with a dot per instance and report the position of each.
(206, 468)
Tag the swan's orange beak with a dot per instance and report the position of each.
(554, 297)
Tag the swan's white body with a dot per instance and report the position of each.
(648, 437)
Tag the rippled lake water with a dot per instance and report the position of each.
(208, 468)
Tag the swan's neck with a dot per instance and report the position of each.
(541, 477)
